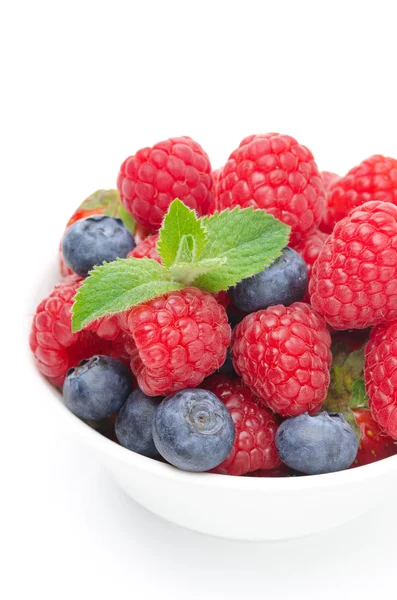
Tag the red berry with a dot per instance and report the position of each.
(180, 338)
(140, 234)
(151, 179)
(281, 471)
(283, 355)
(354, 280)
(254, 445)
(146, 248)
(381, 376)
(310, 248)
(275, 173)
(329, 180)
(373, 179)
(56, 348)
(374, 444)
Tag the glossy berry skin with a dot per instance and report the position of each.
(283, 355)
(91, 241)
(56, 349)
(310, 248)
(180, 338)
(354, 280)
(380, 376)
(275, 173)
(134, 423)
(254, 445)
(323, 443)
(329, 179)
(284, 282)
(374, 443)
(193, 430)
(97, 387)
(147, 248)
(151, 179)
(373, 179)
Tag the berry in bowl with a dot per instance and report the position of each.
(185, 345)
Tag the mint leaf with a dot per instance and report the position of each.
(127, 218)
(359, 398)
(178, 222)
(114, 287)
(248, 239)
(189, 271)
(186, 250)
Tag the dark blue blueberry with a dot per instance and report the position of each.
(193, 430)
(91, 241)
(134, 423)
(97, 388)
(284, 282)
(322, 443)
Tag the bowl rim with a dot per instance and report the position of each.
(104, 445)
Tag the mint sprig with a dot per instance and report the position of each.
(212, 253)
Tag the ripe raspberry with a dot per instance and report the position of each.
(283, 355)
(140, 234)
(310, 248)
(381, 376)
(275, 173)
(147, 248)
(329, 180)
(373, 179)
(151, 179)
(254, 445)
(56, 348)
(180, 338)
(353, 283)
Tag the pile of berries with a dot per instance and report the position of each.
(238, 321)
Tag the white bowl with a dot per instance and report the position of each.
(244, 508)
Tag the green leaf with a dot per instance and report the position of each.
(188, 272)
(178, 222)
(116, 286)
(186, 250)
(127, 219)
(248, 239)
(359, 398)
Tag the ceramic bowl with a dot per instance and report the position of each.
(244, 508)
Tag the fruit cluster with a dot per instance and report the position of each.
(238, 321)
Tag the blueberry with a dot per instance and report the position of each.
(284, 282)
(97, 388)
(193, 430)
(134, 423)
(91, 241)
(322, 443)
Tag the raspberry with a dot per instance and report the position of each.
(329, 180)
(147, 248)
(275, 173)
(254, 445)
(310, 248)
(151, 179)
(373, 179)
(56, 348)
(353, 283)
(381, 376)
(283, 355)
(180, 338)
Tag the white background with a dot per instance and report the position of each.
(83, 86)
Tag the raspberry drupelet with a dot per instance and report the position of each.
(178, 340)
(283, 355)
(151, 179)
(254, 445)
(354, 280)
(275, 173)
(56, 349)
